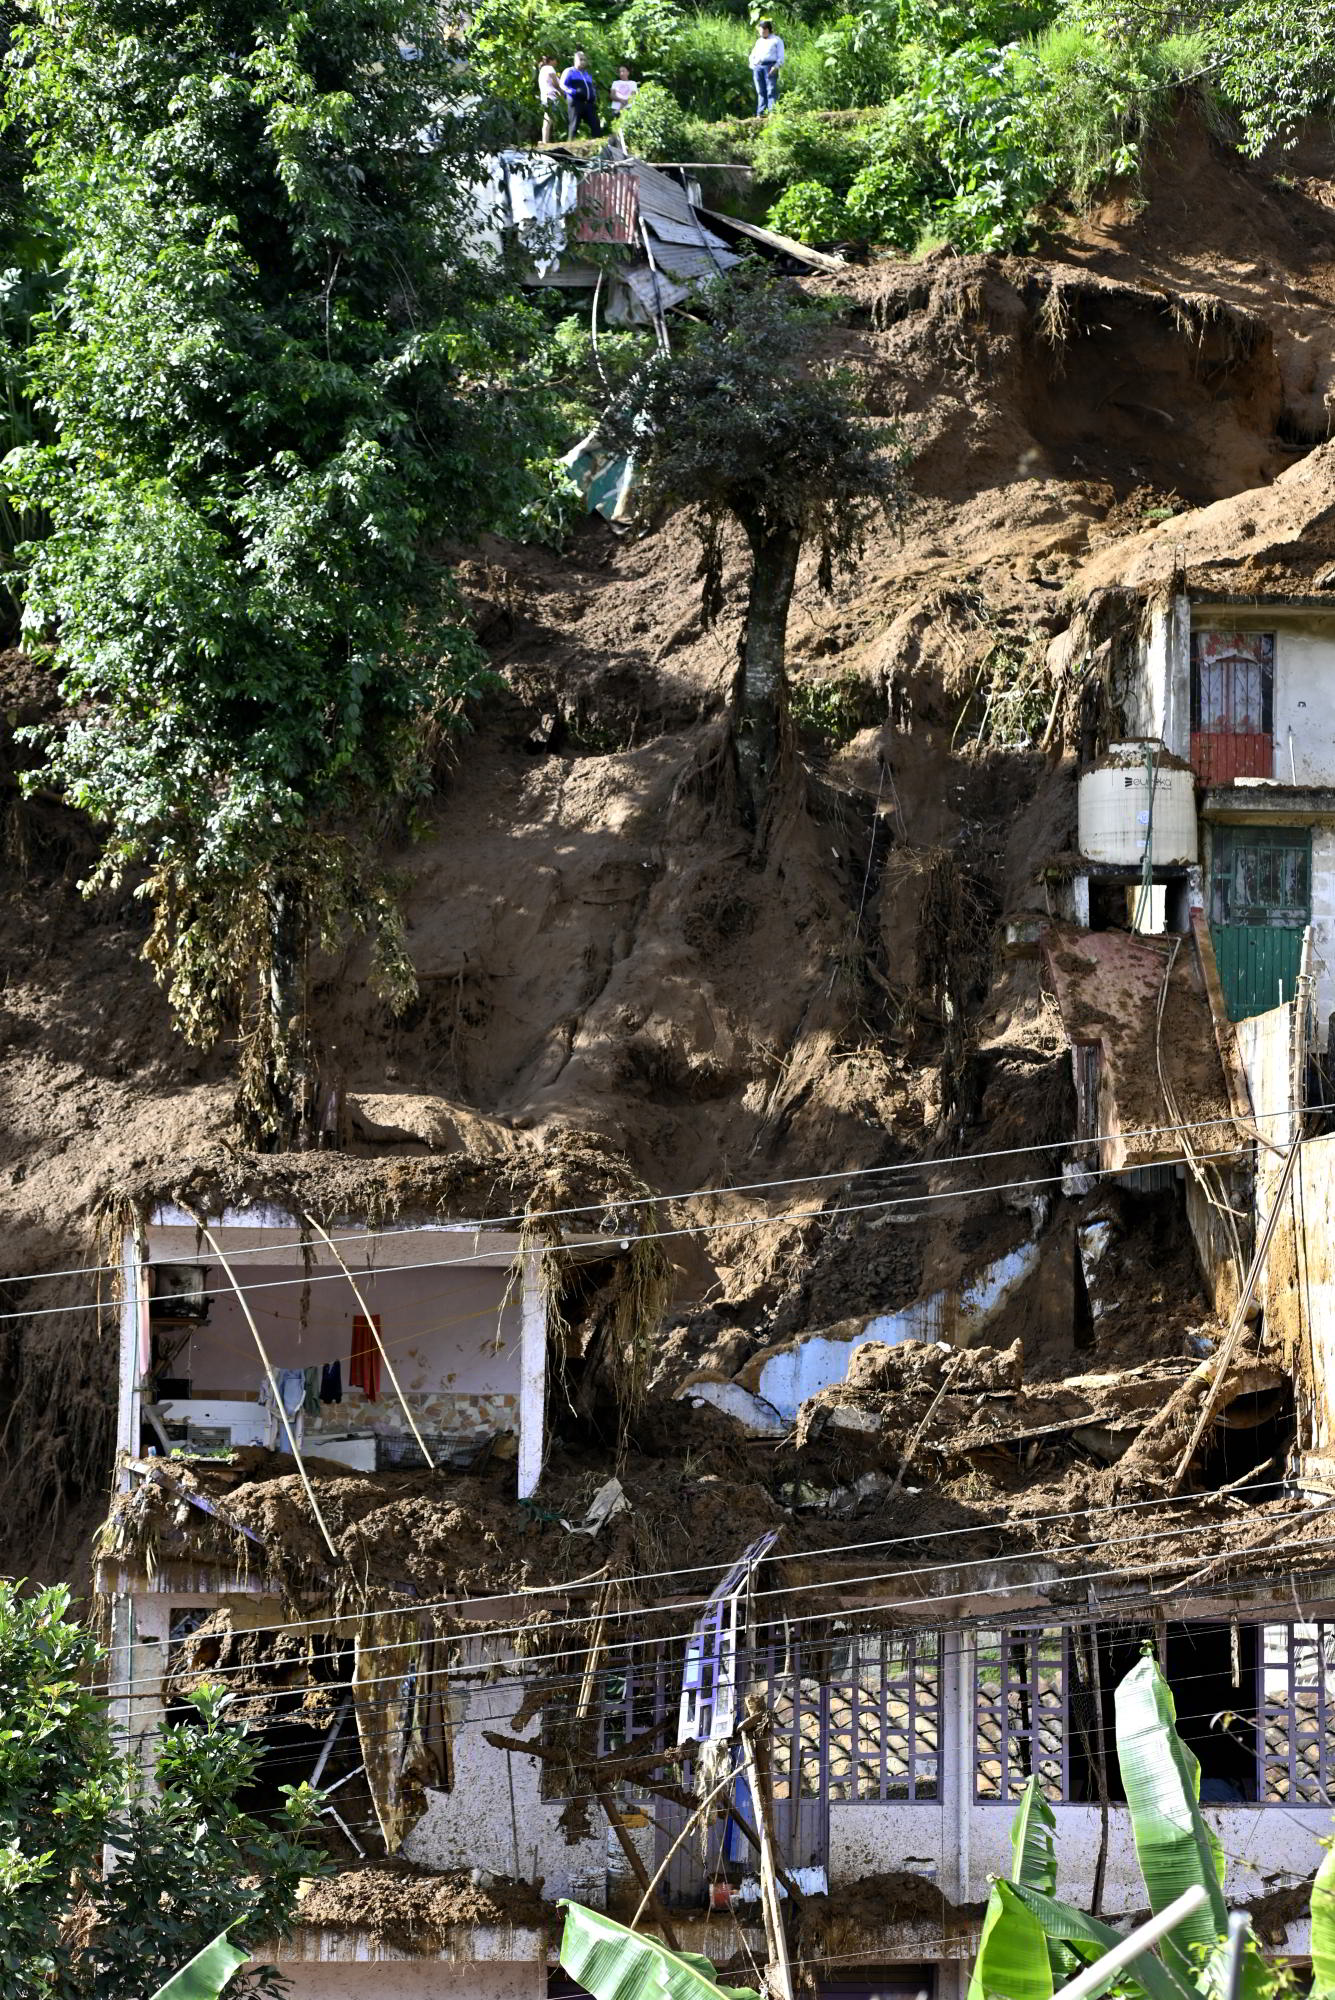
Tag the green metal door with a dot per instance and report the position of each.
(1260, 905)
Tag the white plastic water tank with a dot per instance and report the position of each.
(1114, 815)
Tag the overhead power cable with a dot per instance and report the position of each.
(1065, 1580)
(1049, 1618)
(526, 1217)
(276, 1760)
(786, 1220)
(828, 1554)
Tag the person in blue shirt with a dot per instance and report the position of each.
(581, 98)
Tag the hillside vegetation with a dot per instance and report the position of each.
(976, 123)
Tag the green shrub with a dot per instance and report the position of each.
(812, 213)
(965, 154)
(799, 145)
(886, 203)
(1106, 99)
(654, 124)
(710, 76)
(855, 64)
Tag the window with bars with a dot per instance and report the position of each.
(1255, 1704)
(1232, 705)
(1296, 1738)
(1021, 1713)
(856, 1720)
(883, 1703)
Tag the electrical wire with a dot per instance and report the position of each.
(525, 1218)
(642, 1611)
(786, 1220)
(519, 1662)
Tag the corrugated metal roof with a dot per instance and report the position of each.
(655, 294)
(608, 209)
(666, 231)
(660, 195)
(692, 262)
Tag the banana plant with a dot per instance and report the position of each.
(613, 1963)
(1027, 1926)
(206, 1974)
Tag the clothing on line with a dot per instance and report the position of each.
(364, 1361)
(292, 1389)
(331, 1382)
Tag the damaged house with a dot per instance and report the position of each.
(774, 1688)
(508, 1701)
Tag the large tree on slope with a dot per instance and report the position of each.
(745, 422)
(269, 384)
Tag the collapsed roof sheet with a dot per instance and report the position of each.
(691, 264)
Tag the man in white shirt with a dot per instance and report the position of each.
(766, 62)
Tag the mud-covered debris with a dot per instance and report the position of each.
(411, 1909)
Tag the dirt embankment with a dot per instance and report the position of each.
(603, 949)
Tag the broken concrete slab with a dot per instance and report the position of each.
(775, 1383)
(1142, 1041)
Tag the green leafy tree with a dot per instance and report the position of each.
(192, 1863)
(273, 384)
(745, 422)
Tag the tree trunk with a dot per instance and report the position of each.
(281, 1115)
(760, 693)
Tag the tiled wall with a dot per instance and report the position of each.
(445, 1412)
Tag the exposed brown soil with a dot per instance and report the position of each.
(619, 986)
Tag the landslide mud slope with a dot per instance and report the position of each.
(601, 945)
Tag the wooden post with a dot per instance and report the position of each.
(638, 1870)
(779, 1974)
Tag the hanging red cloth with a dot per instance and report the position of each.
(364, 1362)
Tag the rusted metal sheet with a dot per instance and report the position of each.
(608, 210)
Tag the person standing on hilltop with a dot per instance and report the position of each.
(550, 94)
(766, 61)
(622, 91)
(581, 94)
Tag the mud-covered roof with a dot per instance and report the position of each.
(564, 1171)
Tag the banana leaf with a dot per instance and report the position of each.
(1012, 1961)
(1033, 1842)
(1173, 1844)
(614, 1963)
(1061, 1923)
(1323, 1929)
(206, 1974)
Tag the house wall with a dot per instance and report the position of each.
(475, 1825)
(1159, 702)
(1323, 912)
(1304, 711)
(1265, 1046)
(453, 1337)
